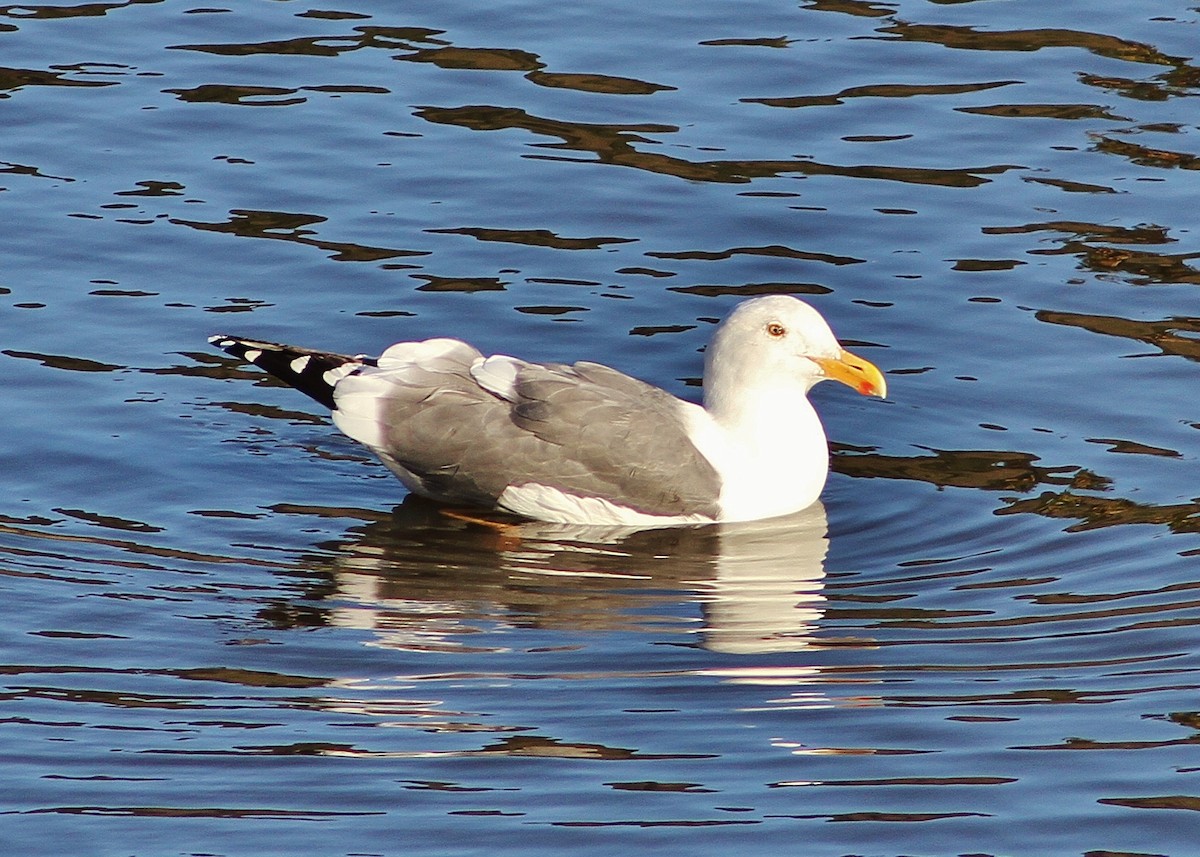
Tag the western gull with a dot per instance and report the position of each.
(584, 443)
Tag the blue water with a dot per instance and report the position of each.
(227, 632)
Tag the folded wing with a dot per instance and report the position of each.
(460, 428)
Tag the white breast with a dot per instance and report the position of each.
(773, 464)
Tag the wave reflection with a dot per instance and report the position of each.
(759, 585)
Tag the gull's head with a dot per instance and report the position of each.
(778, 341)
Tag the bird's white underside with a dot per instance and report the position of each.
(545, 503)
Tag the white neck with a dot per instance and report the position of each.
(769, 449)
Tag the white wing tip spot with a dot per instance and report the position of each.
(332, 376)
(253, 354)
(300, 364)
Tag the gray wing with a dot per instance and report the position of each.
(584, 429)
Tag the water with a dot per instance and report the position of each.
(226, 634)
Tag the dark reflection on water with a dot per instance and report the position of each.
(1138, 266)
(281, 226)
(888, 90)
(1176, 336)
(969, 38)
(1095, 512)
(616, 145)
(18, 78)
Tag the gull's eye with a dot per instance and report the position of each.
(776, 330)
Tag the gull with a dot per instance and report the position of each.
(582, 443)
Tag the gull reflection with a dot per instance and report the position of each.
(422, 579)
(766, 591)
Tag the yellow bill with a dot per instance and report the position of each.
(854, 371)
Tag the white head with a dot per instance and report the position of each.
(778, 345)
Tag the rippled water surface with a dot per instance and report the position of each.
(226, 631)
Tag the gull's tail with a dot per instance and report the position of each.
(314, 373)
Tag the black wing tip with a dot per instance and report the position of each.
(239, 344)
(314, 373)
